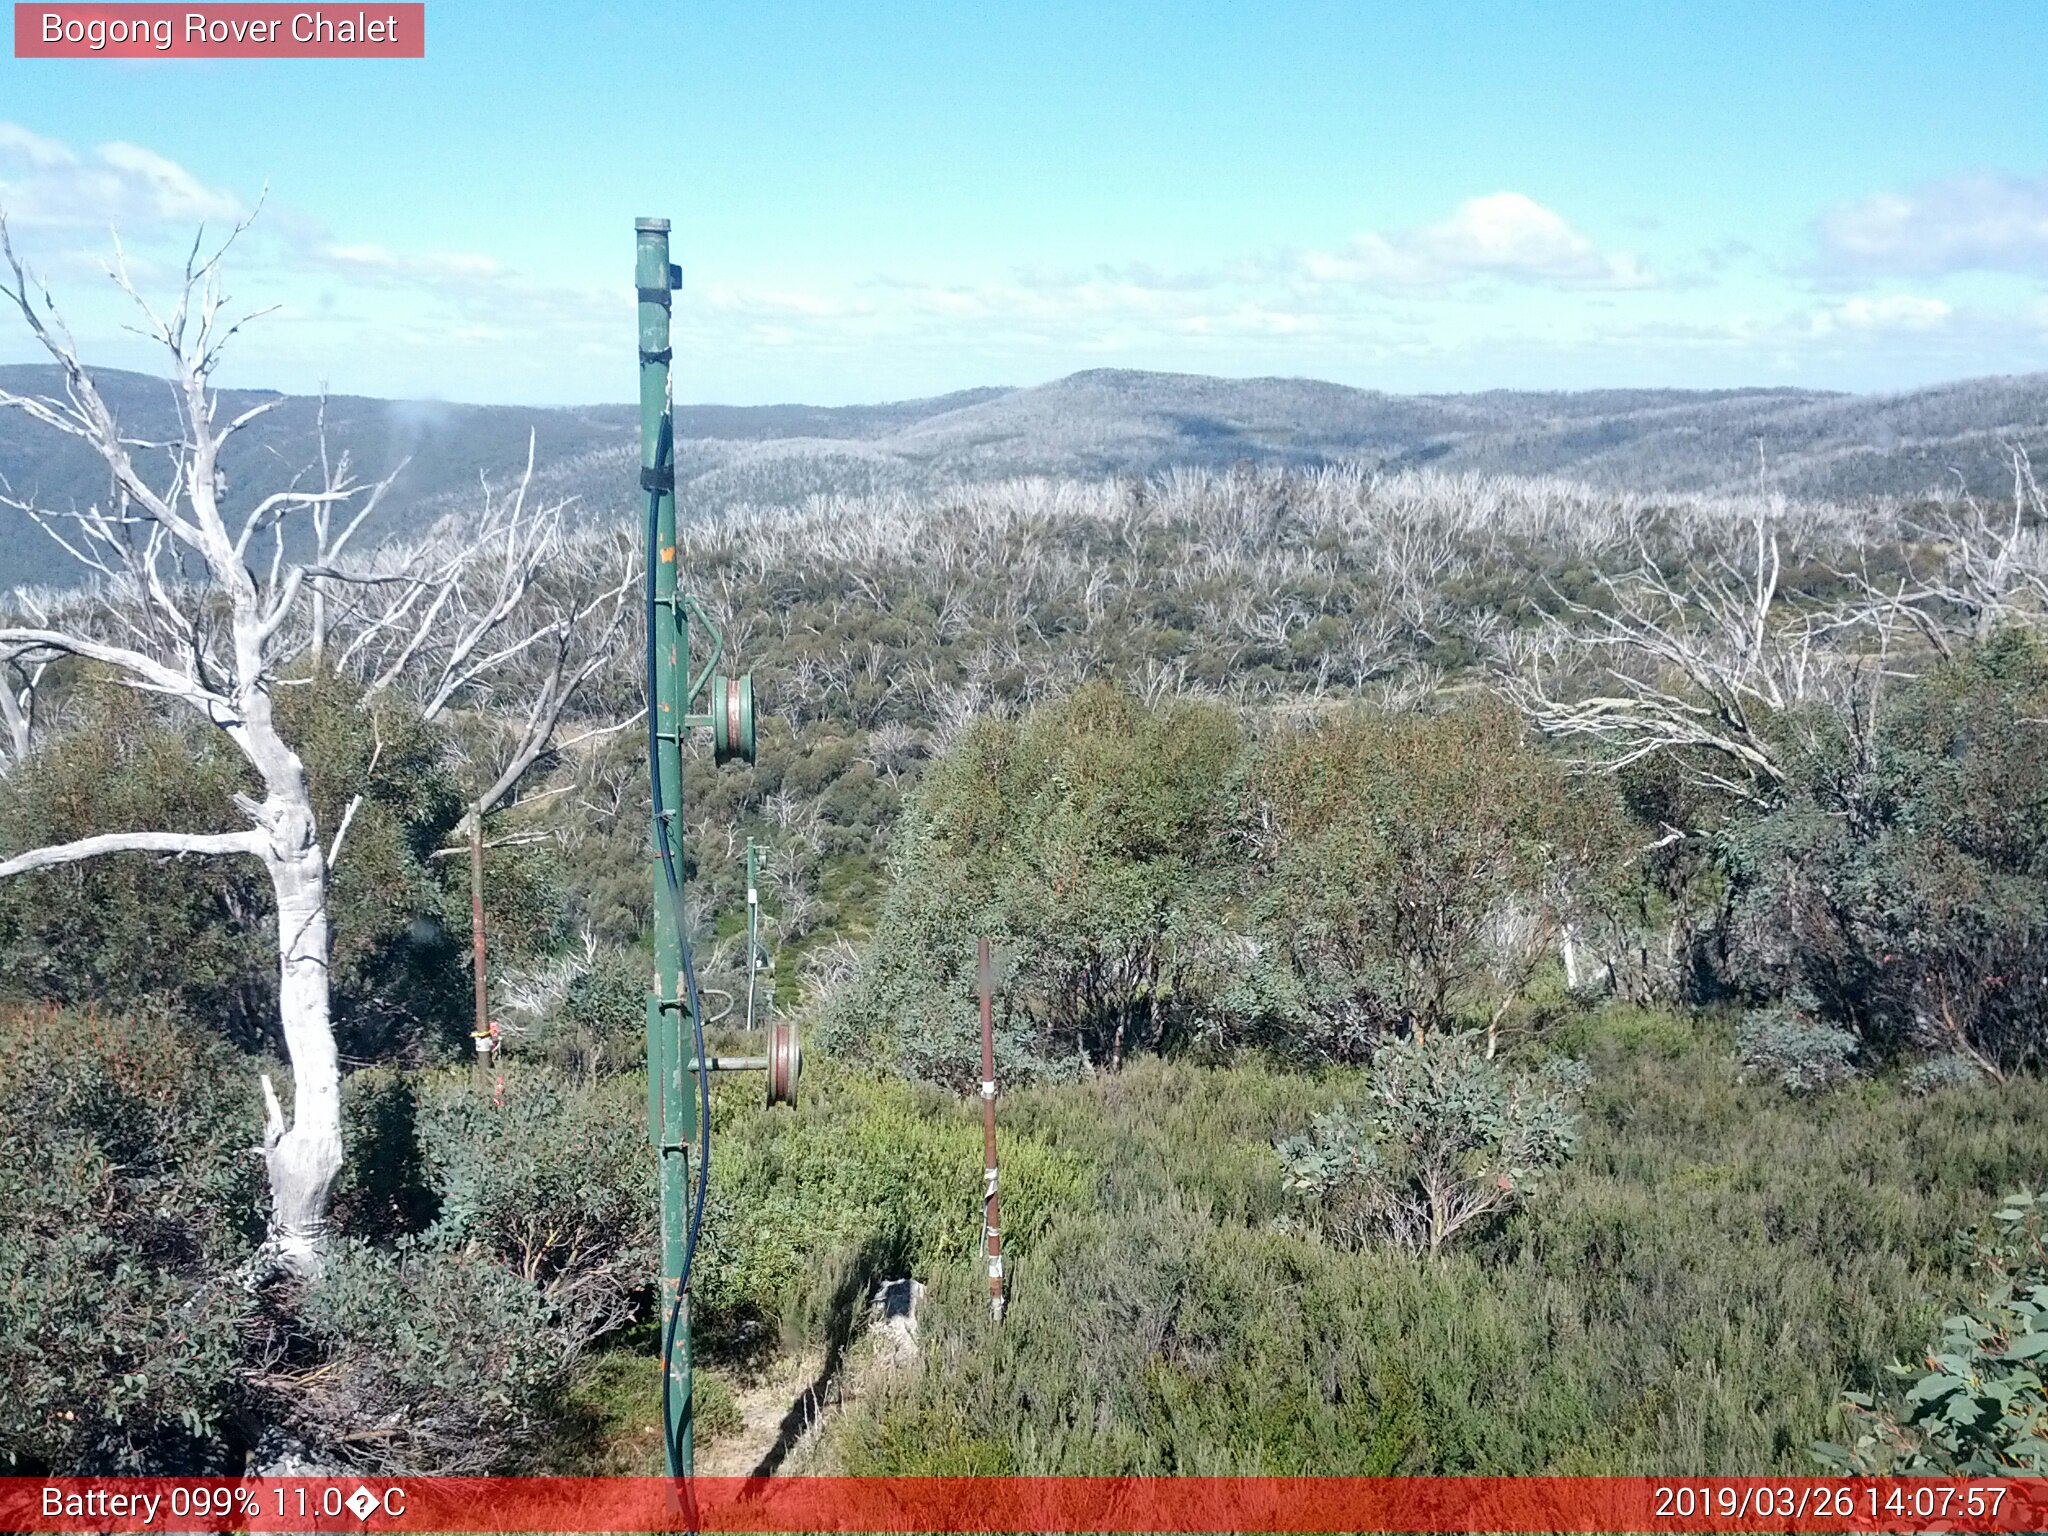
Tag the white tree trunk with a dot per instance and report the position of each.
(303, 1160)
(14, 716)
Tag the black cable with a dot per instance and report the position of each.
(675, 891)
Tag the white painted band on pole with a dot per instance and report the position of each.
(988, 1088)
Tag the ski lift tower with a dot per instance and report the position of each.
(678, 1066)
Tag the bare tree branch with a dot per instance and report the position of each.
(1694, 666)
(133, 842)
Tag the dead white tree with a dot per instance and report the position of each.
(1693, 664)
(1993, 567)
(22, 669)
(204, 608)
(503, 617)
(892, 747)
(331, 539)
(206, 631)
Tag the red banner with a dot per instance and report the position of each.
(235, 31)
(1509, 1504)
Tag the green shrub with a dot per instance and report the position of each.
(714, 1408)
(198, 933)
(489, 1245)
(1791, 1048)
(1408, 873)
(556, 1184)
(1686, 1301)
(427, 1362)
(130, 1199)
(587, 1017)
(1642, 1033)
(382, 1194)
(1939, 1073)
(1981, 1409)
(118, 930)
(1445, 1140)
(609, 1002)
(1904, 882)
(922, 1442)
(865, 1175)
(1148, 885)
(1081, 842)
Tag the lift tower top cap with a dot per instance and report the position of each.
(651, 226)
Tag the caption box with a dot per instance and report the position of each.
(382, 1506)
(220, 31)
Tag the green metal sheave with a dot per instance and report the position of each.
(732, 718)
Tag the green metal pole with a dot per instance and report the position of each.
(671, 1104)
(753, 933)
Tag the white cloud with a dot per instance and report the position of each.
(1979, 222)
(1133, 275)
(47, 183)
(1500, 276)
(165, 188)
(1503, 235)
(1888, 312)
(1252, 320)
(372, 256)
(367, 259)
(16, 142)
(780, 303)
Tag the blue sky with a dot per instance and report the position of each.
(881, 200)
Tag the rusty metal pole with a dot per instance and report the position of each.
(481, 1037)
(991, 1212)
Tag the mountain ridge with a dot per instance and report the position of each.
(1104, 421)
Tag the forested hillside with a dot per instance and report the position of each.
(1494, 976)
(1104, 423)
